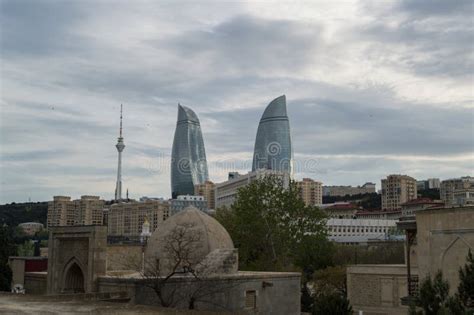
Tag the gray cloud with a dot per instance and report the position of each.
(436, 36)
(39, 27)
(246, 43)
(427, 8)
(63, 84)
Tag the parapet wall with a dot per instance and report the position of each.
(271, 292)
(377, 289)
(35, 282)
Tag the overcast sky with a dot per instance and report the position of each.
(373, 88)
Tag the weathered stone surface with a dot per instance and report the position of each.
(444, 237)
(80, 247)
(207, 232)
(377, 289)
(277, 292)
(35, 282)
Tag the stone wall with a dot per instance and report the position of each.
(377, 289)
(83, 247)
(18, 270)
(276, 293)
(444, 237)
(35, 282)
(124, 257)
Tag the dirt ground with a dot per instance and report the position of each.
(34, 304)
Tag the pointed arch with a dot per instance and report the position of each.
(458, 238)
(73, 279)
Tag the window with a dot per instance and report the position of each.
(251, 299)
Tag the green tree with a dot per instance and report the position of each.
(331, 279)
(466, 285)
(274, 230)
(331, 303)
(433, 294)
(434, 297)
(7, 248)
(26, 249)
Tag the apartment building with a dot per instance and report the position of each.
(63, 211)
(126, 219)
(226, 192)
(457, 191)
(311, 191)
(184, 201)
(207, 190)
(397, 189)
(342, 191)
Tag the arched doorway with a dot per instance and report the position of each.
(74, 279)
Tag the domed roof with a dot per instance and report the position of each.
(199, 232)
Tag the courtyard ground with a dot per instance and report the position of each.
(37, 304)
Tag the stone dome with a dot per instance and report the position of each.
(191, 233)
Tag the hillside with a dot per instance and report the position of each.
(15, 213)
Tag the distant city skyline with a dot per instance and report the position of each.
(373, 88)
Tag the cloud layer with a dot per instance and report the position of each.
(373, 88)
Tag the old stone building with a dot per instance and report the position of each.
(205, 273)
(436, 239)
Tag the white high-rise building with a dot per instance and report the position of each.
(120, 146)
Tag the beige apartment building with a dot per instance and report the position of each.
(63, 211)
(226, 192)
(457, 191)
(342, 191)
(207, 190)
(396, 190)
(311, 191)
(126, 218)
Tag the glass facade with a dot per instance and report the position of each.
(188, 157)
(273, 144)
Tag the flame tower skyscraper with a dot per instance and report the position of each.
(120, 146)
(188, 157)
(273, 142)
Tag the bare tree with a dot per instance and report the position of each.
(179, 275)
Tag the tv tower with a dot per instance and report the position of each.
(120, 146)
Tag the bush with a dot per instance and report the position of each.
(331, 303)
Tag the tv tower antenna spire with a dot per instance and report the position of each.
(120, 146)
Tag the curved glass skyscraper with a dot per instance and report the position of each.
(188, 158)
(273, 144)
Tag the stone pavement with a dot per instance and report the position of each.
(19, 304)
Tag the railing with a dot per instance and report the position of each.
(413, 286)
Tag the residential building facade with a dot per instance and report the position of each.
(63, 211)
(457, 191)
(126, 219)
(226, 192)
(397, 189)
(207, 190)
(182, 202)
(430, 183)
(342, 191)
(89, 210)
(311, 192)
